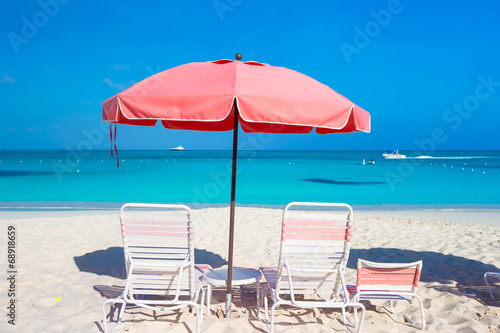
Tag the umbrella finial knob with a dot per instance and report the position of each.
(238, 56)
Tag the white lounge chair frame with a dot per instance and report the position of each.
(159, 256)
(315, 244)
(492, 274)
(388, 282)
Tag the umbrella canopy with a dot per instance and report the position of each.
(217, 95)
(203, 96)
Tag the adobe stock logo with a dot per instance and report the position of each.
(222, 7)
(31, 26)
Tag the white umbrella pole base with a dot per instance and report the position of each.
(228, 306)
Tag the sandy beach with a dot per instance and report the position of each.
(69, 262)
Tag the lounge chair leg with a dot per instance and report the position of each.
(361, 320)
(120, 314)
(407, 318)
(209, 298)
(202, 300)
(266, 305)
(355, 324)
(392, 307)
(199, 315)
(122, 310)
(355, 310)
(104, 319)
(422, 312)
(258, 299)
(271, 328)
(346, 319)
(488, 285)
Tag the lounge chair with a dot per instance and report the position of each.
(493, 274)
(159, 257)
(388, 282)
(315, 239)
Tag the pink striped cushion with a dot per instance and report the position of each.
(388, 276)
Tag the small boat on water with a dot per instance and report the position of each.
(393, 154)
(371, 162)
(178, 148)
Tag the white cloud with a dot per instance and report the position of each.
(121, 67)
(117, 86)
(7, 79)
(113, 85)
(34, 129)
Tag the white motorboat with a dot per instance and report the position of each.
(393, 154)
(178, 148)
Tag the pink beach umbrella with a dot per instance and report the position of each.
(217, 95)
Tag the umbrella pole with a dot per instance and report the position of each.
(231, 217)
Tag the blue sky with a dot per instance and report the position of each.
(428, 72)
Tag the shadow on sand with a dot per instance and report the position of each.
(111, 262)
(444, 272)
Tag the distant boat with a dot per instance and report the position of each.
(393, 154)
(178, 148)
(371, 162)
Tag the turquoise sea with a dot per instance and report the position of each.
(73, 179)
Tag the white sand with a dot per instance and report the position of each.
(77, 256)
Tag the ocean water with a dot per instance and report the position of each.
(447, 179)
